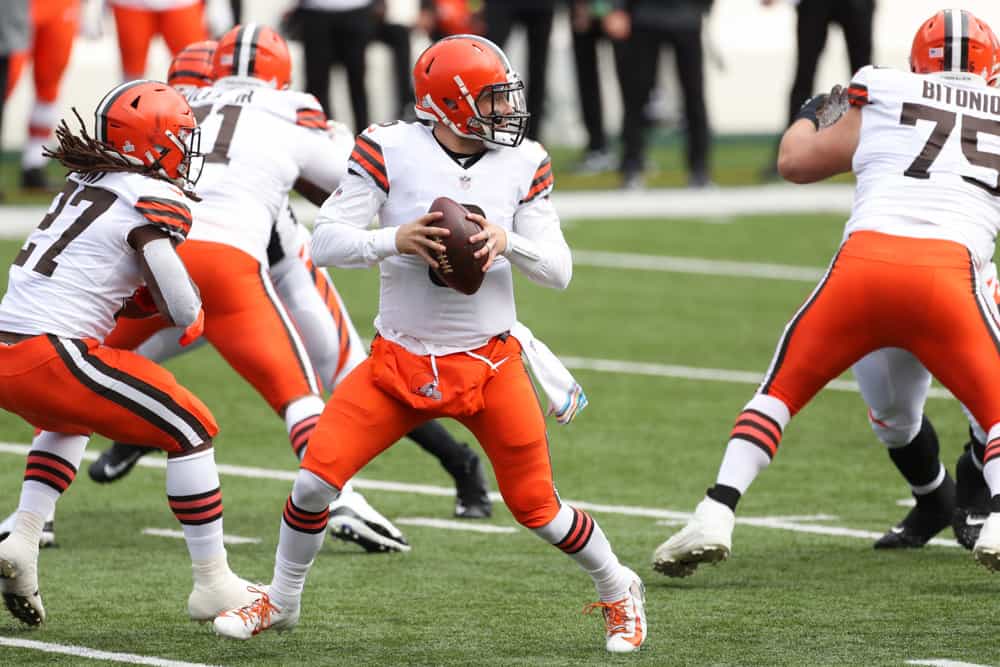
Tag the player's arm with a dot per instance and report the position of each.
(537, 246)
(323, 148)
(808, 154)
(168, 282)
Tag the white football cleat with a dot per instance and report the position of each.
(19, 580)
(254, 618)
(707, 538)
(208, 600)
(625, 619)
(352, 519)
(987, 549)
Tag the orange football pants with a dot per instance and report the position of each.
(137, 27)
(922, 295)
(54, 26)
(81, 387)
(392, 392)
(244, 320)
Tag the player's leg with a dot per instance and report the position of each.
(135, 29)
(336, 349)
(511, 430)
(803, 363)
(117, 461)
(182, 26)
(960, 345)
(894, 386)
(121, 396)
(359, 422)
(53, 44)
(972, 495)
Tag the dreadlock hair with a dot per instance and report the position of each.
(84, 154)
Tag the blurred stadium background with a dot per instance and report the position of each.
(750, 62)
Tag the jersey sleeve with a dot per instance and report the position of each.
(165, 213)
(858, 92)
(368, 161)
(542, 180)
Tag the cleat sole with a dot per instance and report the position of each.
(988, 558)
(686, 566)
(18, 605)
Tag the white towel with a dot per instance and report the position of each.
(565, 395)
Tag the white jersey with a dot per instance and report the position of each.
(396, 170)
(928, 158)
(77, 268)
(258, 141)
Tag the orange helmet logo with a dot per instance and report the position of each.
(253, 50)
(466, 83)
(192, 66)
(954, 40)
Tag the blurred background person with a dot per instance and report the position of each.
(394, 21)
(54, 25)
(14, 37)
(593, 22)
(535, 16)
(654, 24)
(440, 18)
(813, 19)
(179, 22)
(337, 31)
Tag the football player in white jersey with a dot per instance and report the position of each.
(925, 148)
(440, 352)
(329, 336)
(106, 250)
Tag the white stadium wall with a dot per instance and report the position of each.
(751, 56)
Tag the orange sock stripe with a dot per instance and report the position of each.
(579, 533)
(49, 469)
(305, 522)
(762, 422)
(992, 450)
(197, 509)
(301, 432)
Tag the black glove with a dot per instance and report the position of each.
(810, 109)
(825, 109)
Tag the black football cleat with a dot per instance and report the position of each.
(472, 495)
(115, 462)
(932, 514)
(972, 500)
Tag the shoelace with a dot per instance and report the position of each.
(615, 614)
(258, 612)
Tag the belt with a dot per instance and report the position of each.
(13, 338)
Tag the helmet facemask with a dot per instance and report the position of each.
(188, 143)
(505, 120)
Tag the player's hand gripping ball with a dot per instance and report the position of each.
(457, 268)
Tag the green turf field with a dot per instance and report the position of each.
(785, 598)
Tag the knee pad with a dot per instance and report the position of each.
(894, 430)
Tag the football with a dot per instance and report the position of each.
(457, 268)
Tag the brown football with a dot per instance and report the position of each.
(457, 268)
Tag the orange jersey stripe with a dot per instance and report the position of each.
(380, 178)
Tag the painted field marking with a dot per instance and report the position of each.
(430, 490)
(94, 654)
(695, 265)
(454, 525)
(696, 373)
(178, 534)
(944, 663)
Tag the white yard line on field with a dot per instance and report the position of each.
(94, 654)
(454, 525)
(697, 373)
(177, 534)
(696, 265)
(944, 662)
(778, 523)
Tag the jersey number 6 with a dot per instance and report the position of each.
(944, 124)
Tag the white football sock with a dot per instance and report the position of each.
(51, 467)
(577, 534)
(301, 417)
(195, 497)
